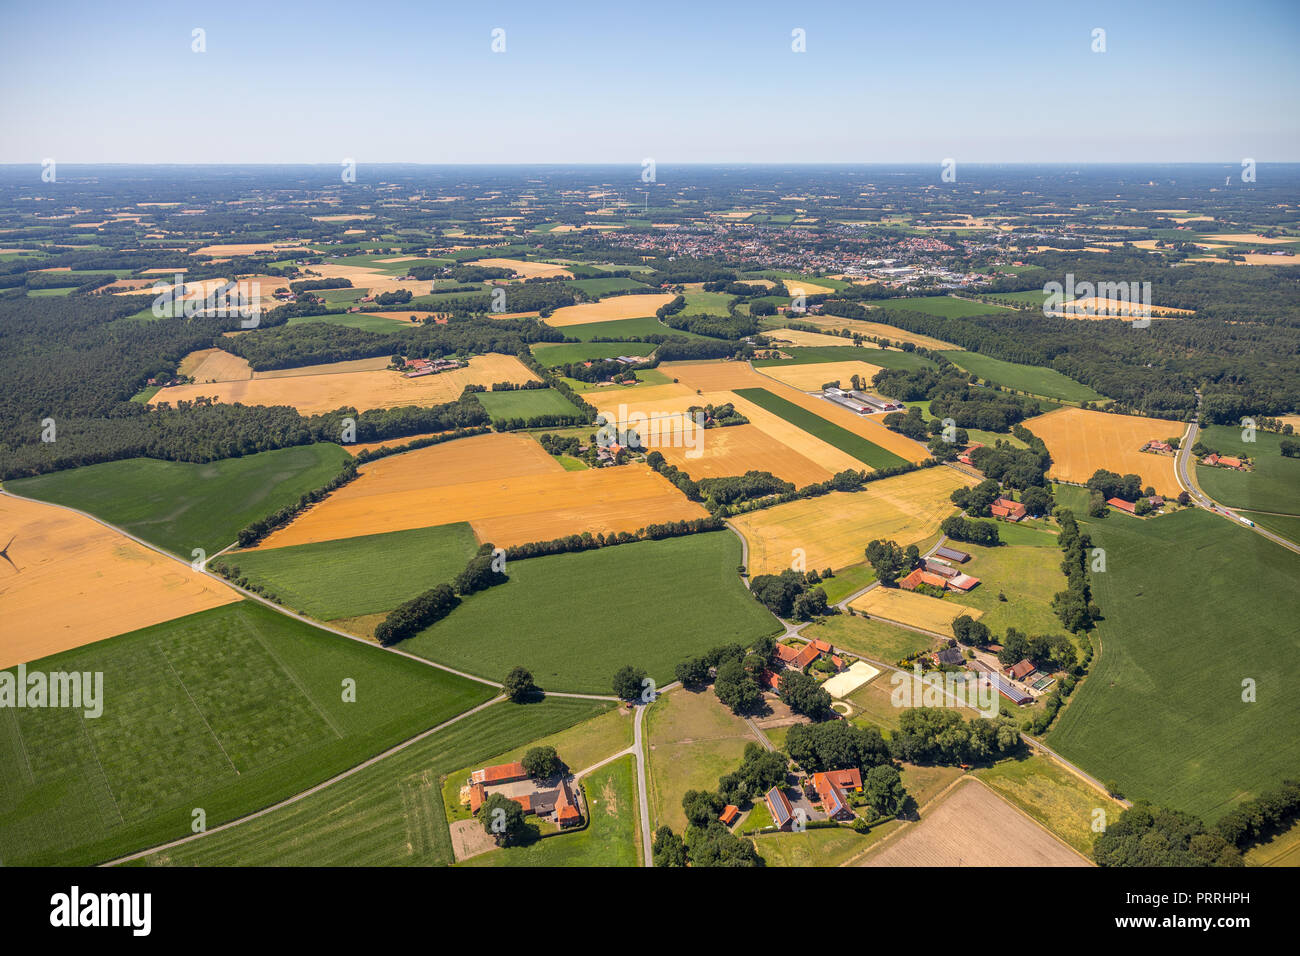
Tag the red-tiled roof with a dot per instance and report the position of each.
(729, 814)
(850, 779)
(786, 653)
(1021, 670)
(1122, 505)
(500, 773)
(806, 656)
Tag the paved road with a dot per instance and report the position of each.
(1186, 478)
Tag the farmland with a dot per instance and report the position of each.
(832, 530)
(608, 310)
(361, 575)
(1082, 441)
(552, 354)
(822, 428)
(226, 710)
(1272, 486)
(121, 585)
(885, 358)
(1162, 711)
(321, 389)
(911, 608)
(504, 485)
(1025, 378)
(811, 377)
(525, 403)
(943, 306)
(1052, 795)
(180, 506)
(391, 812)
(1005, 836)
(542, 618)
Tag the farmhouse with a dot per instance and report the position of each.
(948, 655)
(778, 805)
(730, 814)
(1008, 509)
(964, 457)
(1022, 670)
(800, 657)
(1160, 447)
(832, 798)
(921, 576)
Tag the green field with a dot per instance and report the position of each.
(885, 358)
(707, 303)
(1193, 605)
(362, 575)
(869, 638)
(1273, 486)
(574, 619)
(611, 839)
(354, 320)
(390, 813)
(943, 306)
(227, 710)
(1288, 526)
(1026, 378)
(181, 506)
(846, 581)
(563, 353)
(595, 288)
(626, 328)
(525, 403)
(1025, 575)
(843, 439)
(1052, 795)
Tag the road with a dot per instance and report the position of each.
(1186, 479)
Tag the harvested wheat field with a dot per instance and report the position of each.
(505, 486)
(358, 447)
(803, 286)
(73, 581)
(608, 310)
(1251, 238)
(250, 248)
(810, 339)
(1259, 259)
(215, 365)
(318, 388)
(372, 364)
(372, 280)
(878, 329)
(529, 270)
(973, 826)
(915, 610)
(737, 449)
(833, 529)
(1099, 308)
(810, 378)
(1082, 441)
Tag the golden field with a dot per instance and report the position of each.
(916, 610)
(78, 582)
(505, 486)
(214, 365)
(809, 339)
(810, 378)
(879, 329)
(608, 310)
(833, 530)
(529, 270)
(1082, 441)
(323, 388)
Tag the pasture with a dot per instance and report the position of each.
(1081, 441)
(1033, 379)
(555, 354)
(227, 710)
(670, 599)
(526, 403)
(833, 530)
(1052, 795)
(884, 358)
(1272, 486)
(941, 306)
(391, 812)
(1162, 711)
(181, 506)
(70, 581)
(367, 574)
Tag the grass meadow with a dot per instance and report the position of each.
(180, 506)
(574, 619)
(228, 710)
(525, 403)
(1026, 378)
(1274, 485)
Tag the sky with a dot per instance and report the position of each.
(680, 82)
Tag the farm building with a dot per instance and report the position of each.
(841, 397)
(730, 814)
(921, 576)
(1003, 687)
(832, 797)
(948, 655)
(963, 582)
(952, 554)
(499, 773)
(941, 568)
(778, 805)
(1161, 447)
(1008, 509)
(1022, 670)
(877, 402)
(964, 457)
(1126, 506)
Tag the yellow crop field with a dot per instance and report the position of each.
(1082, 441)
(835, 323)
(809, 378)
(737, 449)
(1251, 238)
(833, 530)
(358, 447)
(808, 339)
(797, 286)
(505, 486)
(73, 581)
(215, 365)
(529, 270)
(318, 388)
(363, 277)
(249, 248)
(917, 610)
(608, 310)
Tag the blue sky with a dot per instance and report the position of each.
(680, 82)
